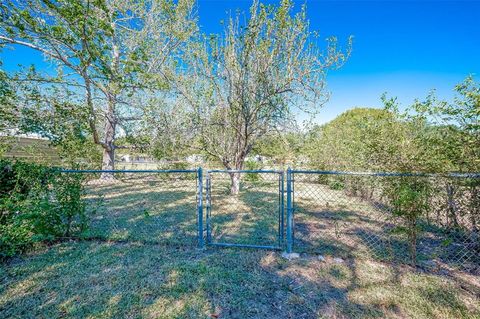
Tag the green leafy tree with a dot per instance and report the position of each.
(244, 85)
(8, 111)
(451, 143)
(284, 149)
(110, 53)
(453, 139)
(366, 139)
(361, 139)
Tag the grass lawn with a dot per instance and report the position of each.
(111, 280)
(140, 261)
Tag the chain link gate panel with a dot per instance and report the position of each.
(245, 208)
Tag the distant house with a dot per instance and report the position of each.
(143, 159)
(194, 158)
(257, 158)
(126, 158)
(134, 158)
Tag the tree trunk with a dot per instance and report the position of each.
(108, 161)
(235, 183)
(452, 207)
(236, 177)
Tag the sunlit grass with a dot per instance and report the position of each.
(138, 261)
(111, 280)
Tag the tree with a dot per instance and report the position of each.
(452, 144)
(454, 140)
(357, 140)
(284, 149)
(368, 139)
(57, 115)
(109, 52)
(8, 111)
(250, 81)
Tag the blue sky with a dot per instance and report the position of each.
(405, 48)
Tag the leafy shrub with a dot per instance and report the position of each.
(409, 199)
(252, 165)
(38, 203)
(336, 182)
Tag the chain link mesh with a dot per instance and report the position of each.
(340, 215)
(250, 217)
(147, 207)
(373, 216)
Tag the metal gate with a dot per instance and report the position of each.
(247, 214)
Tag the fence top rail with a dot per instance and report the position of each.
(129, 171)
(318, 172)
(244, 171)
(458, 175)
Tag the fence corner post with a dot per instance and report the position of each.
(200, 208)
(289, 212)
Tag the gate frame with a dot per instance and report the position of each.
(281, 209)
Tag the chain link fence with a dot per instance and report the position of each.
(396, 217)
(142, 206)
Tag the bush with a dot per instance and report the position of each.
(336, 182)
(409, 199)
(251, 166)
(38, 203)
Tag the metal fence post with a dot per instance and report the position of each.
(289, 212)
(200, 208)
(209, 207)
(282, 208)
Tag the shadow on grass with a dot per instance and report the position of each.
(144, 212)
(87, 279)
(348, 230)
(252, 217)
(127, 281)
(339, 232)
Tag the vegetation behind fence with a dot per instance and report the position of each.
(427, 219)
(408, 218)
